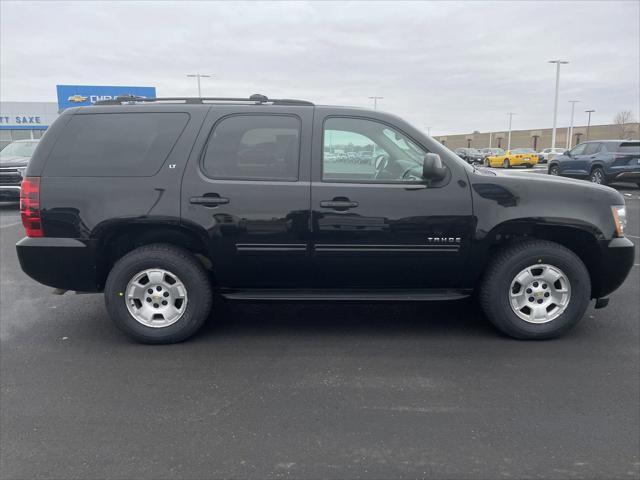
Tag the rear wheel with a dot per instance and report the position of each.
(535, 290)
(529, 165)
(158, 294)
(506, 163)
(597, 176)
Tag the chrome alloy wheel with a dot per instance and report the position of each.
(540, 293)
(156, 298)
(597, 177)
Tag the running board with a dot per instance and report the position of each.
(342, 295)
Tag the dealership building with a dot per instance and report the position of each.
(29, 120)
(539, 139)
(24, 120)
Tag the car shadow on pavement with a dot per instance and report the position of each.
(232, 318)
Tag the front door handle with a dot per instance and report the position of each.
(209, 201)
(338, 204)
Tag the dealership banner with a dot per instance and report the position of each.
(82, 95)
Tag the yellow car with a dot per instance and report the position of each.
(513, 158)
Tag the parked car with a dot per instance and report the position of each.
(513, 158)
(490, 152)
(14, 159)
(601, 161)
(470, 155)
(160, 204)
(549, 153)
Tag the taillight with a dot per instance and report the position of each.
(30, 207)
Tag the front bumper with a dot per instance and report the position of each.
(617, 261)
(64, 263)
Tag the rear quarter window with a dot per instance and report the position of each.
(115, 144)
(629, 147)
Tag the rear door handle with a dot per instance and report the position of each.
(209, 201)
(338, 204)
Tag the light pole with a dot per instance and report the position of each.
(588, 121)
(511, 114)
(428, 131)
(490, 133)
(570, 136)
(198, 76)
(555, 102)
(375, 102)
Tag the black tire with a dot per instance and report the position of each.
(638, 184)
(553, 170)
(508, 263)
(529, 165)
(171, 258)
(597, 176)
(486, 162)
(506, 163)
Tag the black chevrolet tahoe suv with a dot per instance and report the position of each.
(160, 203)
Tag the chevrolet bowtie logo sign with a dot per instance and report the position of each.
(77, 98)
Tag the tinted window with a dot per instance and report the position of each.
(629, 147)
(364, 150)
(592, 148)
(254, 147)
(115, 144)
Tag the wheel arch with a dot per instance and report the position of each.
(581, 239)
(117, 240)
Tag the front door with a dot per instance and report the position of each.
(246, 191)
(376, 224)
(573, 164)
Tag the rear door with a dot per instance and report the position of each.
(377, 224)
(246, 190)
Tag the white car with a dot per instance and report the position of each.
(548, 153)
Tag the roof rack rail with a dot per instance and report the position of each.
(256, 98)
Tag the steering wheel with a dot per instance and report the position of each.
(409, 176)
(381, 162)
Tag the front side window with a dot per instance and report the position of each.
(254, 147)
(579, 150)
(364, 150)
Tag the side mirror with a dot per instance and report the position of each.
(567, 153)
(432, 168)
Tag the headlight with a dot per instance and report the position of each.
(22, 171)
(619, 218)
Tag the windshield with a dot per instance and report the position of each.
(19, 149)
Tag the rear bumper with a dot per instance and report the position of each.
(63, 263)
(617, 260)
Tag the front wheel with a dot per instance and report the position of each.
(506, 164)
(158, 294)
(553, 170)
(535, 289)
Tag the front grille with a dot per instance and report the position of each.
(10, 176)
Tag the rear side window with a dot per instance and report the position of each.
(592, 149)
(254, 147)
(115, 144)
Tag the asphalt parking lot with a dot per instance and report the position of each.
(314, 390)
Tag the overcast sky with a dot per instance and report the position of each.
(453, 66)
